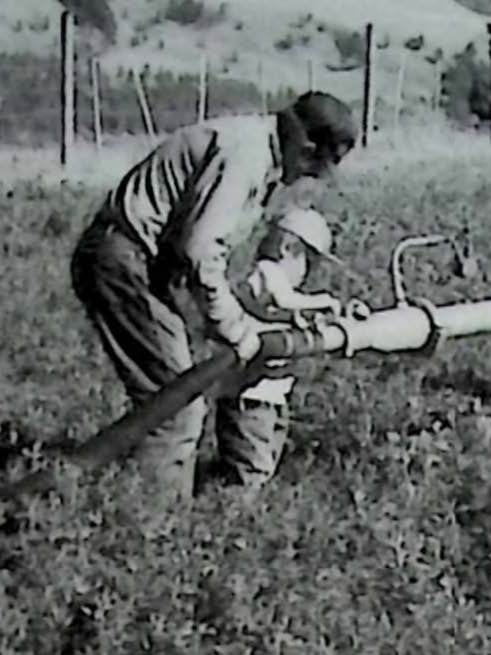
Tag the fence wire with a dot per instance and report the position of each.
(237, 81)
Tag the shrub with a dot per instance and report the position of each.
(233, 58)
(184, 12)
(415, 43)
(189, 12)
(466, 88)
(39, 24)
(140, 27)
(94, 13)
(435, 56)
(285, 43)
(479, 6)
(158, 18)
(350, 45)
(384, 42)
(302, 21)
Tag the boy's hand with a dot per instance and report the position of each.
(300, 321)
(336, 307)
(333, 305)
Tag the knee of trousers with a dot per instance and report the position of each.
(190, 420)
(177, 439)
(252, 447)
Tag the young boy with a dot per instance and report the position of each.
(252, 428)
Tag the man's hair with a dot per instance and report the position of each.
(326, 117)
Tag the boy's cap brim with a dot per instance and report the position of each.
(332, 258)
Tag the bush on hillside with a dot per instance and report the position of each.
(350, 45)
(39, 24)
(189, 12)
(383, 42)
(435, 56)
(285, 43)
(302, 21)
(479, 6)
(415, 43)
(94, 13)
(466, 88)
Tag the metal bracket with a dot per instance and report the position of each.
(438, 332)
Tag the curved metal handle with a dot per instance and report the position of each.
(465, 264)
(396, 267)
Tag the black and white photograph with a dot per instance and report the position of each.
(245, 327)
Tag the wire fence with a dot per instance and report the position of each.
(384, 85)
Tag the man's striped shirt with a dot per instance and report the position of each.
(195, 192)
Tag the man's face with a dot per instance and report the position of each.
(315, 160)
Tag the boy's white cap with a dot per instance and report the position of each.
(311, 227)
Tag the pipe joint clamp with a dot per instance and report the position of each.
(438, 332)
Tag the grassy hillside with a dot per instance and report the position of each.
(235, 35)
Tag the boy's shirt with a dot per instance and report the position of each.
(266, 276)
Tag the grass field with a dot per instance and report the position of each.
(373, 538)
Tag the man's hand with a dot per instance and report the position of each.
(248, 347)
(300, 321)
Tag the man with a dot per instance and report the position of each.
(172, 219)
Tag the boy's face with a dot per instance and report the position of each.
(294, 260)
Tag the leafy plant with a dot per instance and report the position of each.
(351, 45)
(415, 43)
(94, 13)
(184, 12)
(285, 43)
(466, 89)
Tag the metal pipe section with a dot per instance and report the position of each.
(393, 330)
(465, 319)
(398, 329)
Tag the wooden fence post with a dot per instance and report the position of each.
(144, 106)
(203, 96)
(312, 83)
(400, 89)
(488, 29)
(262, 88)
(437, 98)
(67, 86)
(367, 119)
(95, 70)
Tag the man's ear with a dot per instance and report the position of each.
(292, 131)
(284, 248)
